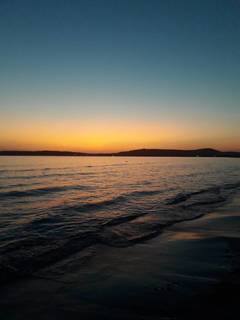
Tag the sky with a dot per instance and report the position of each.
(109, 75)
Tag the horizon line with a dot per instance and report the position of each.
(144, 151)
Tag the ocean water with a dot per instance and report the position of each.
(52, 207)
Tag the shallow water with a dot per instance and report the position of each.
(51, 207)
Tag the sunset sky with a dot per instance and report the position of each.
(108, 75)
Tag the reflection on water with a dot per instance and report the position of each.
(51, 207)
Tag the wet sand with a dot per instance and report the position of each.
(190, 271)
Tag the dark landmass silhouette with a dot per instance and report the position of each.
(206, 152)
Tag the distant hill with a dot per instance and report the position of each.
(207, 152)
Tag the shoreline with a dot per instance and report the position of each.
(182, 273)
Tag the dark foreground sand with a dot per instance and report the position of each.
(191, 271)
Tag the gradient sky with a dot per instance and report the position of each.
(108, 75)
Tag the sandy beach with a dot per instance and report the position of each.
(190, 270)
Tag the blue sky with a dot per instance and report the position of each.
(155, 63)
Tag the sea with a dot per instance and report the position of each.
(54, 207)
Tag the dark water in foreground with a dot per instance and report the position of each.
(51, 207)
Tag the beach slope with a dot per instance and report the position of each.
(190, 271)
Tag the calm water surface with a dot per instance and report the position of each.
(51, 207)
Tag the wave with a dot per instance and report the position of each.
(30, 169)
(24, 257)
(41, 191)
(6, 171)
(212, 195)
(31, 256)
(122, 219)
(129, 229)
(49, 175)
(20, 185)
(97, 205)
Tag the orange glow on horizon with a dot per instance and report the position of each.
(109, 136)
